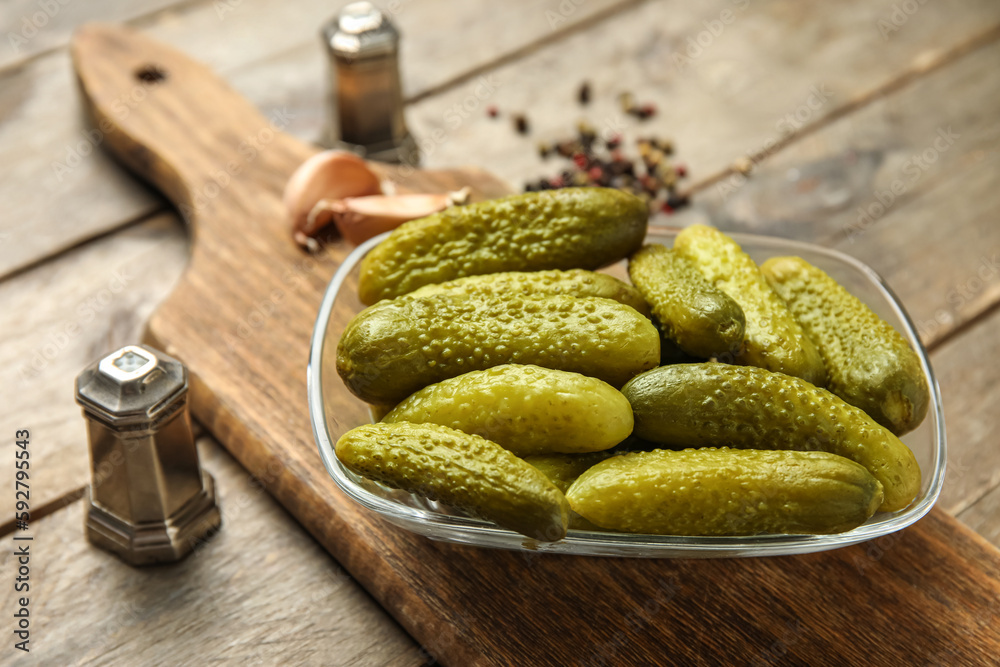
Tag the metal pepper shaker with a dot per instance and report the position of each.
(366, 101)
(150, 501)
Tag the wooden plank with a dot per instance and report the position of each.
(467, 604)
(97, 298)
(271, 52)
(774, 60)
(970, 388)
(260, 592)
(936, 143)
(30, 27)
(983, 516)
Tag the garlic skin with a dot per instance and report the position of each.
(330, 175)
(360, 218)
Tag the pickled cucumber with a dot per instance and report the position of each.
(575, 282)
(571, 228)
(714, 404)
(525, 409)
(773, 339)
(701, 319)
(726, 492)
(870, 364)
(399, 346)
(461, 470)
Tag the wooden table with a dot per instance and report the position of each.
(837, 110)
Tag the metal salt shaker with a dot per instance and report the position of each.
(150, 501)
(367, 100)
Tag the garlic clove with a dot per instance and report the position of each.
(327, 175)
(360, 218)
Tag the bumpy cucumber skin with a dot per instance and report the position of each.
(461, 470)
(397, 347)
(712, 404)
(525, 409)
(704, 321)
(571, 228)
(773, 339)
(870, 364)
(726, 492)
(575, 282)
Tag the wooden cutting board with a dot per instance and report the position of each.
(241, 317)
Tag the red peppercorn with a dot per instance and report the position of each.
(580, 160)
(667, 208)
(595, 173)
(681, 171)
(492, 111)
(556, 182)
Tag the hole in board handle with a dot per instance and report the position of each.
(150, 74)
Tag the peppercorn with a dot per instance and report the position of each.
(568, 148)
(676, 201)
(544, 149)
(652, 158)
(743, 165)
(666, 174)
(627, 102)
(583, 95)
(521, 123)
(492, 111)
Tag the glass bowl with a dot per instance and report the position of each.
(440, 522)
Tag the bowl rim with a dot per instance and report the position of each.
(483, 533)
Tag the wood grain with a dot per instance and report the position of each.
(97, 298)
(936, 233)
(970, 386)
(271, 53)
(773, 68)
(30, 27)
(280, 74)
(260, 592)
(984, 517)
(466, 604)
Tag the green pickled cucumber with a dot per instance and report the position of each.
(571, 228)
(575, 282)
(461, 470)
(726, 492)
(396, 347)
(702, 320)
(774, 339)
(870, 364)
(525, 409)
(712, 404)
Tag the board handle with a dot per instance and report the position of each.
(172, 121)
